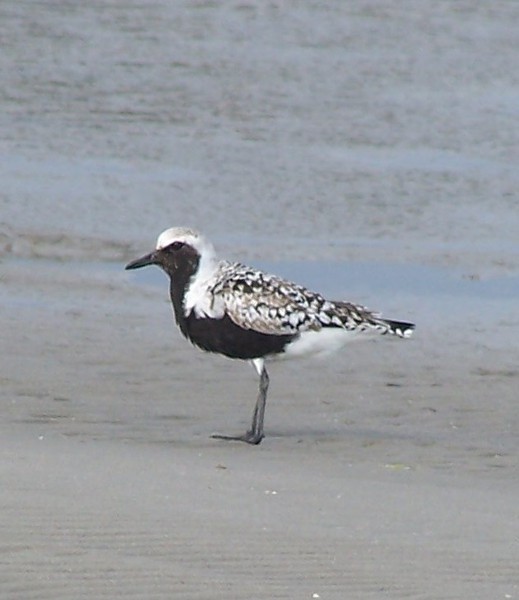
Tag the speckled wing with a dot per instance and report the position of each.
(268, 304)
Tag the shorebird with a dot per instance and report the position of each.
(243, 313)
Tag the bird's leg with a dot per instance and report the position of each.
(255, 434)
(256, 430)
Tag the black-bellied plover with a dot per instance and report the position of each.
(240, 312)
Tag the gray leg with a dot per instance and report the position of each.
(256, 430)
(255, 433)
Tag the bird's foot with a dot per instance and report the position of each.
(250, 437)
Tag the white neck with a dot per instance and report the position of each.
(197, 297)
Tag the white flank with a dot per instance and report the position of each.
(320, 343)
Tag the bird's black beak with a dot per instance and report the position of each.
(144, 261)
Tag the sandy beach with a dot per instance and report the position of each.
(366, 150)
(390, 472)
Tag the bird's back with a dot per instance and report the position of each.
(271, 305)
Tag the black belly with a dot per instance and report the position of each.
(225, 337)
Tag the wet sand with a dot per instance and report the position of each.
(390, 472)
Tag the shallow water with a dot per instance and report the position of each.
(343, 131)
(337, 279)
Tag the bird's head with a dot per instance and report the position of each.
(178, 249)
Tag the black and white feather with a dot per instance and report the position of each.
(244, 313)
(269, 304)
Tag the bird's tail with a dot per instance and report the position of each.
(399, 328)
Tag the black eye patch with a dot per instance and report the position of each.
(176, 246)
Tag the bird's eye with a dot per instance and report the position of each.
(176, 245)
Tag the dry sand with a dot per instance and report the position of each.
(391, 472)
